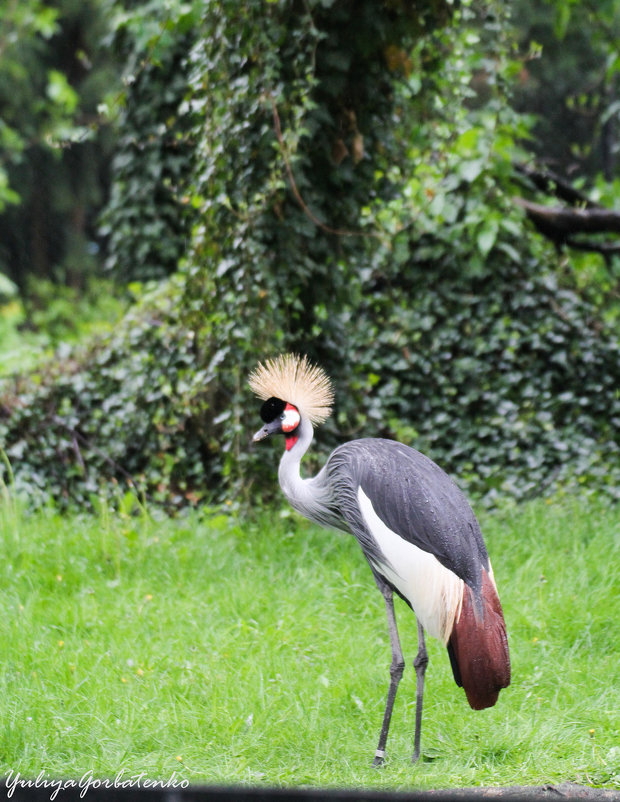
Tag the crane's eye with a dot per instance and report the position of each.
(290, 419)
(271, 409)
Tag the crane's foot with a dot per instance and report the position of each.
(415, 757)
(379, 759)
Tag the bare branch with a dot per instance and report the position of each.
(565, 222)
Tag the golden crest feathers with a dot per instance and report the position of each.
(295, 379)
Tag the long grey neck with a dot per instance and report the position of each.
(311, 497)
(289, 475)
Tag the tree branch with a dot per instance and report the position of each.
(606, 249)
(552, 184)
(560, 224)
(572, 221)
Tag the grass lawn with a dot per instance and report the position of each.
(234, 652)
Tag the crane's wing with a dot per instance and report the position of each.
(411, 496)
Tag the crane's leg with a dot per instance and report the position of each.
(397, 667)
(420, 663)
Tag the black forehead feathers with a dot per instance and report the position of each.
(272, 408)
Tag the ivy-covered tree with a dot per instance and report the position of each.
(148, 215)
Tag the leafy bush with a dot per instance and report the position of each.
(504, 378)
(8, 290)
(123, 411)
(31, 330)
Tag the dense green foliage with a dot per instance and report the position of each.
(134, 398)
(334, 180)
(147, 220)
(258, 652)
(572, 84)
(55, 315)
(55, 74)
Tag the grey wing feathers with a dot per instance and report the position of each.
(414, 497)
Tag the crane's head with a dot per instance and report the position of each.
(292, 390)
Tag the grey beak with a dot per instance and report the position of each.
(261, 434)
(274, 427)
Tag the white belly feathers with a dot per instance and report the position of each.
(434, 592)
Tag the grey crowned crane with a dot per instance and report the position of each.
(414, 525)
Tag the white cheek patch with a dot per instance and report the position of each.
(290, 420)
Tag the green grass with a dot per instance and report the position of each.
(235, 652)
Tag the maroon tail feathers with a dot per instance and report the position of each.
(478, 647)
